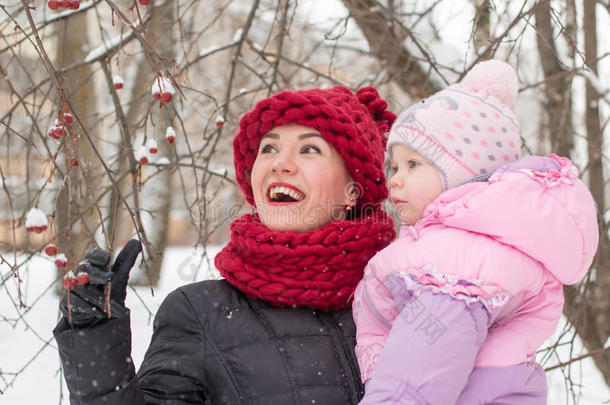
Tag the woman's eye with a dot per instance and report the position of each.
(310, 149)
(393, 169)
(267, 149)
(413, 164)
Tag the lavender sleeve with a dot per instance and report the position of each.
(430, 350)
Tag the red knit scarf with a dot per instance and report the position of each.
(318, 269)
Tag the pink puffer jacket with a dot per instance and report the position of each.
(509, 243)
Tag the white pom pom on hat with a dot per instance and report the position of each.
(495, 77)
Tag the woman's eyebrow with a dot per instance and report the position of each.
(301, 136)
(270, 135)
(309, 135)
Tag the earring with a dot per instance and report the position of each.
(348, 208)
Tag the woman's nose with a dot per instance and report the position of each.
(283, 164)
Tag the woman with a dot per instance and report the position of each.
(279, 328)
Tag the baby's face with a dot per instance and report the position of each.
(415, 183)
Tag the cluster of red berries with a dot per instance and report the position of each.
(58, 130)
(36, 229)
(36, 221)
(163, 89)
(67, 4)
(142, 153)
(60, 259)
(72, 280)
(170, 135)
(143, 2)
(117, 82)
(151, 144)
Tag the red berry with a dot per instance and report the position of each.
(157, 96)
(40, 229)
(170, 139)
(82, 278)
(50, 249)
(29, 229)
(64, 3)
(69, 282)
(51, 133)
(166, 97)
(153, 150)
(68, 118)
(59, 131)
(143, 160)
(74, 162)
(53, 4)
(60, 263)
(143, 2)
(118, 86)
(219, 123)
(75, 5)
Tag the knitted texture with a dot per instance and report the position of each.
(318, 269)
(355, 124)
(468, 129)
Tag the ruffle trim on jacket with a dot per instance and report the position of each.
(429, 278)
(567, 173)
(367, 357)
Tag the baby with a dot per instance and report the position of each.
(454, 310)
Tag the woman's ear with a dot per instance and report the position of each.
(352, 192)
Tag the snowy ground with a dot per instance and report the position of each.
(29, 363)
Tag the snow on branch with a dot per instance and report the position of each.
(603, 91)
(112, 44)
(107, 47)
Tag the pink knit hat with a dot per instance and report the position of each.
(468, 129)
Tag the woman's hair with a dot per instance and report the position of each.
(355, 124)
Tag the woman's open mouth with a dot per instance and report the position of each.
(281, 193)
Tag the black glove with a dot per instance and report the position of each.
(87, 302)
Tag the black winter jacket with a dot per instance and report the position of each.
(213, 345)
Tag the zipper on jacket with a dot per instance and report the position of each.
(335, 330)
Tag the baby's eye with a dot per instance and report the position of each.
(413, 164)
(310, 149)
(393, 169)
(268, 149)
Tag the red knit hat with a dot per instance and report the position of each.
(355, 124)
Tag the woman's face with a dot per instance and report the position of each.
(299, 180)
